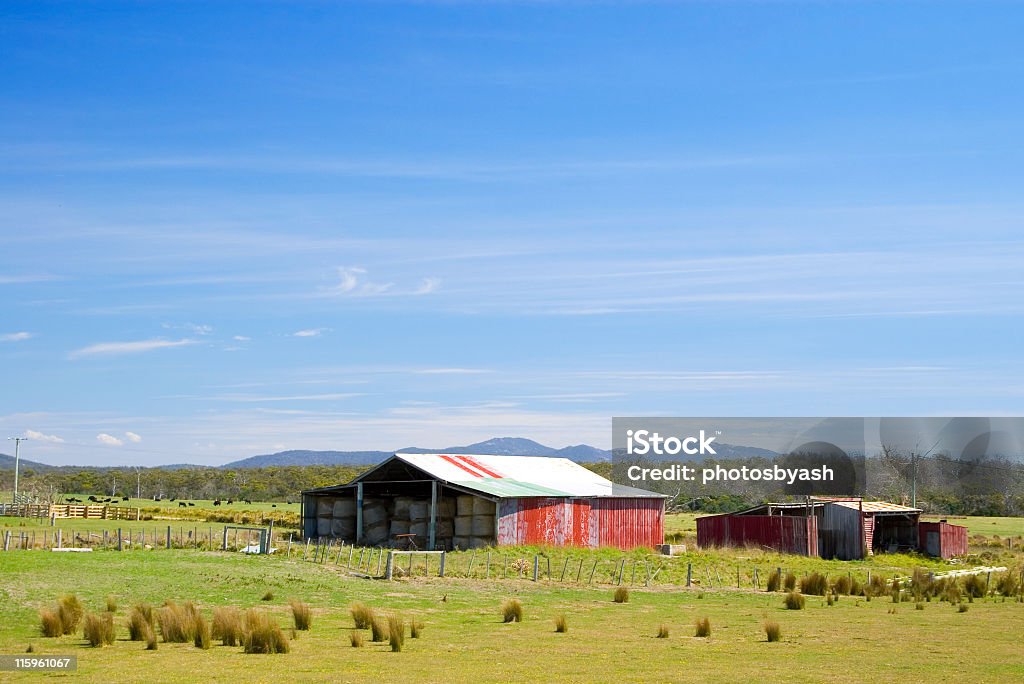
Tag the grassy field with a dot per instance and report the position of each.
(465, 640)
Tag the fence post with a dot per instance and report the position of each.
(7, 540)
(622, 568)
(592, 571)
(689, 574)
(168, 536)
(536, 567)
(444, 554)
(487, 571)
(224, 544)
(579, 571)
(562, 578)
(756, 583)
(60, 536)
(389, 569)
(119, 540)
(737, 577)
(288, 554)
(270, 538)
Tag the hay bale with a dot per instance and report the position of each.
(444, 529)
(419, 510)
(464, 505)
(483, 526)
(402, 504)
(344, 508)
(482, 506)
(463, 525)
(480, 542)
(323, 527)
(446, 508)
(399, 527)
(324, 506)
(343, 527)
(376, 534)
(460, 542)
(420, 529)
(374, 514)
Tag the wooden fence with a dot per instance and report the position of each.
(71, 511)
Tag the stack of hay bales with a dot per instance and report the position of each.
(474, 522)
(343, 520)
(324, 516)
(412, 516)
(376, 527)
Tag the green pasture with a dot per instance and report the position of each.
(465, 640)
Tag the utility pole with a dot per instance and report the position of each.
(138, 482)
(913, 479)
(17, 459)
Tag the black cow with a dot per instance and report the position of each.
(181, 504)
(217, 502)
(191, 504)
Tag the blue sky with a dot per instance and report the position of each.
(231, 229)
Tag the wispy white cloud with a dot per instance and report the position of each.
(133, 437)
(42, 437)
(309, 332)
(352, 283)
(241, 338)
(109, 440)
(427, 286)
(118, 348)
(451, 371)
(257, 398)
(15, 337)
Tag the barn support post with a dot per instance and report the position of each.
(359, 512)
(432, 530)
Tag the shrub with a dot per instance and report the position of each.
(99, 629)
(789, 584)
(918, 606)
(794, 601)
(774, 581)
(856, 589)
(263, 635)
(922, 584)
(49, 623)
(512, 611)
(378, 629)
(111, 604)
(355, 637)
(70, 611)
(561, 624)
(415, 629)
(30, 649)
(139, 618)
(396, 633)
(663, 632)
(302, 615)
(876, 587)
(228, 625)
(773, 631)
(202, 637)
(829, 599)
(703, 627)
(895, 590)
(269, 596)
(974, 586)
(842, 585)
(814, 583)
(1007, 585)
(177, 623)
(362, 615)
(150, 636)
(621, 595)
(962, 608)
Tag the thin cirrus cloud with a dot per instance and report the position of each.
(15, 337)
(120, 348)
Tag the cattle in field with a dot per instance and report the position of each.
(182, 504)
(217, 502)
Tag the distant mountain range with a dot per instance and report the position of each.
(499, 446)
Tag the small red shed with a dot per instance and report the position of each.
(942, 540)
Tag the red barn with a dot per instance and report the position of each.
(445, 501)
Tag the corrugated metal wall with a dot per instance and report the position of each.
(839, 533)
(946, 540)
(783, 533)
(624, 523)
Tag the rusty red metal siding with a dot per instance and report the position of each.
(783, 533)
(619, 522)
(952, 538)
